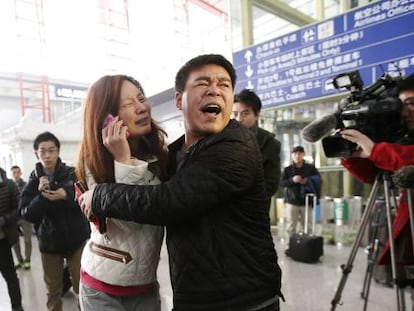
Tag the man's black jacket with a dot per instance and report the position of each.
(294, 193)
(221, 251)
(9, 198)
(60, 225)
(270, 152)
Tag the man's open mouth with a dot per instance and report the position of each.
(212, 109)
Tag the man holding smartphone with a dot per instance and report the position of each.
(48, 202)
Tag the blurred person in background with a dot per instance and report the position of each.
(48, 201)
(119, 266)
(9, 234)
(298, 179)
(26, 227)
(246, 110)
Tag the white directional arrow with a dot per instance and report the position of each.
(248, 55)
(249, 71)
(249, 85)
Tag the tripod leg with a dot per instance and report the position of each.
(367, 277)
(398, 289)
(368, 286)
(373, 248)
(372, 257)
(411, 213)
(346, 269)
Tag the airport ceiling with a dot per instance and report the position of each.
(267, 14)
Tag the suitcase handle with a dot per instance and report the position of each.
(307, 196)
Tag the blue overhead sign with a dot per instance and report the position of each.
(300, 65)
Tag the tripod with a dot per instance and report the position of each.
(383, 178)
(375, 246)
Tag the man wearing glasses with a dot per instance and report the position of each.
(48, 202)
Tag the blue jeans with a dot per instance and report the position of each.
(9, 273)
(93, 300)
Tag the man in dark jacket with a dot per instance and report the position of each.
(221, 251)
(298, 179)
(9, 234)
(246, 110)
(48, 202)
(24, 225)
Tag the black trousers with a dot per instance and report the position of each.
(9, 273)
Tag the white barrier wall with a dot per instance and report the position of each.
(17, 144)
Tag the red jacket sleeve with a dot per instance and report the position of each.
(362, 169)
(392, 157)
(385, 156)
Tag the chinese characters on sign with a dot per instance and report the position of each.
(300, 66)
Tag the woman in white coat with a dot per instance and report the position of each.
(120, 143)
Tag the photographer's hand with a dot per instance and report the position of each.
(364, 143)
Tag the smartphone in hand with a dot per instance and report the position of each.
(79, 188)
(100, 224)
(109, 118)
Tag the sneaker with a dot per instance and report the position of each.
(18, 265)
(26, 265)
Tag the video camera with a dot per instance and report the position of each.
(374, 111)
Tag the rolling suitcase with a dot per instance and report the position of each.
(303, 246)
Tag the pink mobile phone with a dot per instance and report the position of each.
(109, 118)
(79, 187)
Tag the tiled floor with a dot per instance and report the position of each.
(307, 287)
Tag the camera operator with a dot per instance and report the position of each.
(369, 158)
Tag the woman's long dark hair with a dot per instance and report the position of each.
(103, 99)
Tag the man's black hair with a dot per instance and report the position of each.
(406, 84)
(45, 136)
(199, 61)
(249, 98)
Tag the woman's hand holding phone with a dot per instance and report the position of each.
(114, 138)
(109, 119)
